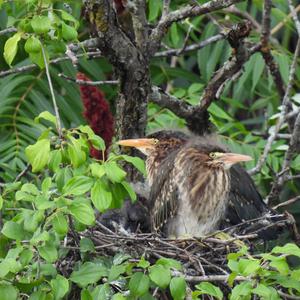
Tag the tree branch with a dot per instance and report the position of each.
(55, 61)
(165, 100)
(183, 13)
(279, 123)
(177, 52)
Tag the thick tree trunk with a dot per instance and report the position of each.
(127, 53)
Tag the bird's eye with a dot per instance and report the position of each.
(212, 155)
(155, 141)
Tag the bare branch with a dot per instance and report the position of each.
(230, 68)
(166, 8)
(286, 203)
(294, 16)
(165, 100)
(282, 116)
(266, 24)
(53, 61)
(90, 83)
(139, 22)
(265, 48)
(8, 30)
(175, 52)
(276, 28)
(87, 44)
(58, 122)
(183, 13)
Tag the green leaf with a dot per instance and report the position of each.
(33, 45)
(143, 263)
(8, 292)
(40, 24)
(11, 48)
(60, 224)
(46, 184)
(243, 289)
(67, 17)
(46, 115)
(118, 296)
(60, 287)
(289, 249)
(85, 295)
(137, 162)
(129, 190)
(82, 212)
(76, 154)
(178, 288)
(13, 231)
(78, 185)
(88, 273)
(97, 170)
(175, 38)
(26, 257)
(120, 258)
(116, 271)
(266, 292)
(208, 288)
(259, 65)
(38, 58)
(154, 9)
(86, 245)
(101, 196)
(69, 33)
(102, 292)
(169, 263)
(6, 265)
(114, 172)
(1, 202)
(160, 275)
(139, 284)
(55, 160)
(217, 111)
(247, 266)
(48, 252)
(38, 154)
(281, 265)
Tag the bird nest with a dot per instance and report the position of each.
(203, 259)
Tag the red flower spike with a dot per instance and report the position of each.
(97, 113)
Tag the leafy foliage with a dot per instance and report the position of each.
(66, 187)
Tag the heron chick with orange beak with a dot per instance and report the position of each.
(191, 184)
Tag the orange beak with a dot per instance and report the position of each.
(137, 143)
(143, 145)
(233, 158)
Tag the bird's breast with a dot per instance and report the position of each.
(202, 200)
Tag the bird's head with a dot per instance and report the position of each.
(162, 142)
(224, 159)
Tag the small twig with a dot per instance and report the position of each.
(84, 82)
(186, 39)
(276, 28)
(174, 52)
(8, 30)
(58, 122)
(166, 8)
(294, 16)
(286, 203)
(27, 68)
(20, 175)
(287, 296)
(210, 278)
(282, 116)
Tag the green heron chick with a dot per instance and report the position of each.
(189, 182)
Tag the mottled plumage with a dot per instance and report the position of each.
(195, 185)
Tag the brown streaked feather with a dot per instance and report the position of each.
(164, 194)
